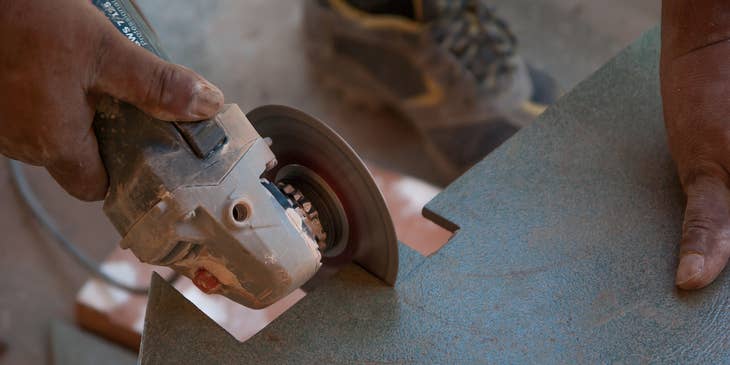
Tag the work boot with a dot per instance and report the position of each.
(449, 67)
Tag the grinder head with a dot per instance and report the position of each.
(239, 224)
(320, 165)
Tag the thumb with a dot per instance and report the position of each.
(705, 245)
(161, 89)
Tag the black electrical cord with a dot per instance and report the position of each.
(40, 213)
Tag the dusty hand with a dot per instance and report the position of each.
(696, 94)
(57, 58)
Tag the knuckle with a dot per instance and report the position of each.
(702, 169)
(698, 226)
(157, 89)
(703, 234)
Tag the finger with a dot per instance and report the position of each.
(705, 245)
(163, 90)
(78, 168)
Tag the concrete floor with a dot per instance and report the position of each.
(253, 51)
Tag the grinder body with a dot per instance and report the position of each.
(190, 195)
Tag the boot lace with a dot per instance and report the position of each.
(481, 42)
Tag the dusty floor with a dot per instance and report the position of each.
(252, 50)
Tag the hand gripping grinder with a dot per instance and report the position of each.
(247, 206)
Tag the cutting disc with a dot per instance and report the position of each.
(303, 143)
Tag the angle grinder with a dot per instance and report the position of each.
(247, 206)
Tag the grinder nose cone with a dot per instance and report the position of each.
(304, 142)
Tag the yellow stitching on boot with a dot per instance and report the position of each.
(434, 95)
(533, 109)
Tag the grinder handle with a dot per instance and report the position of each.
(128, 19)
(145, 157)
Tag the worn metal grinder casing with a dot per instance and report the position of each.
(209, 200)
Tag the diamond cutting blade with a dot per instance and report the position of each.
(303, 143)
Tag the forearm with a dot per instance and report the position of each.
(689, 25)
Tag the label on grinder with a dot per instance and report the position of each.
(129, 21)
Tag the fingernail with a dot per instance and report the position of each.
(690, 267)
(207, 100)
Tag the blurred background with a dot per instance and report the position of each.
(254, 51)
